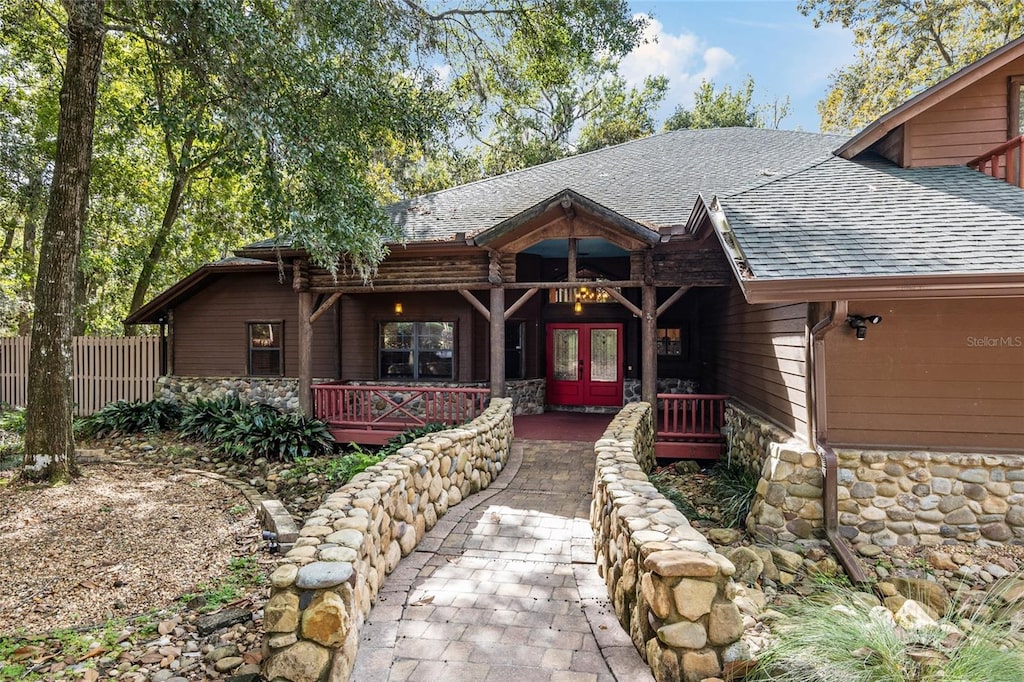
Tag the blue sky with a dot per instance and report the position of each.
(724, 41)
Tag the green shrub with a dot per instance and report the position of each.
(733, 486)
(335, 470)
(203, 419)
(122, 417)
(399, 441)
(12, 420)
(248, 430)
(838, 635)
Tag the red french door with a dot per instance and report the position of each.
(584, 364)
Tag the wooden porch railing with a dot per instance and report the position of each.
(690, 425)
(370, 415)
(1003, 162)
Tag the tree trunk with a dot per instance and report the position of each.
(156, 252)
(28, 254)
(49, 441)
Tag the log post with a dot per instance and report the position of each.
(649, 331)
(497, 327)
(306, 353)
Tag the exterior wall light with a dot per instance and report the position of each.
(860, 323)
(577, 307)
(398, 308)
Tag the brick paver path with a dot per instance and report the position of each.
(504, 587)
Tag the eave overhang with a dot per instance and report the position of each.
(975, 285)
(567, 203)
(942, 90)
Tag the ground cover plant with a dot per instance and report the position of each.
(123, 417)
(837, 635)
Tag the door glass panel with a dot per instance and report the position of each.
(565, 348)
(604, 355)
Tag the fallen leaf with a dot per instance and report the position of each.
(92, 653)
(23, 653)
(424, 601)
(252, 657)
(88, 584)
(90, 675)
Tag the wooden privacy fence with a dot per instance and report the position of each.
(105, 369)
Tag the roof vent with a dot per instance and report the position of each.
(768, 172)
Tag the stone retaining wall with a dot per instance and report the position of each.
(631, 388)
(885, 498)
(671, 591)
(279, 392)
(926, 498)
(320, 597)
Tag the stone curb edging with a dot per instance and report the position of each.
(671, 591)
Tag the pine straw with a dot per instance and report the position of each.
(117, 542)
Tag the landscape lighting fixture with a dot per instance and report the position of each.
(860, 323)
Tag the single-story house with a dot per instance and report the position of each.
(855, 299)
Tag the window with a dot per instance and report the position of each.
(266, 342)
(417, 350)
(514, 350)
(671, 342)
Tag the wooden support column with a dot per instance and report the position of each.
(649, 331)
(306, 353)
(497, 320)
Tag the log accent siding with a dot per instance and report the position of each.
(409, 267)
(363, 313)
(945, 374)
(761, 358)
(211, 333)
(965, 125)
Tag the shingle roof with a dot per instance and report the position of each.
(653, 181)
(843, 218)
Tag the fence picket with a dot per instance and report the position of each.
(105, 369)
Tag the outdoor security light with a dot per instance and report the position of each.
(860, 323)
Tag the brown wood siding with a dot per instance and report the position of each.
(760, 358)
(946, 374)
(966, 124)
(211, 333)
(362, 314)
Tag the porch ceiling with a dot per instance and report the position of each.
(563, 216)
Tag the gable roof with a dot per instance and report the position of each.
(153, 312)
(651, 181)
(843, 219)
(565, 201)
(942, 90)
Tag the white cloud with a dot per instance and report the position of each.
(684, 59)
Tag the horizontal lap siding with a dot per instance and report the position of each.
(761, 358)
(966, 124)
(362, 314)
(926, 376)
(210, 328)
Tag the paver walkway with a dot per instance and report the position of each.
(504, 587)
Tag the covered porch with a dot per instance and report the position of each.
(580, 305)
